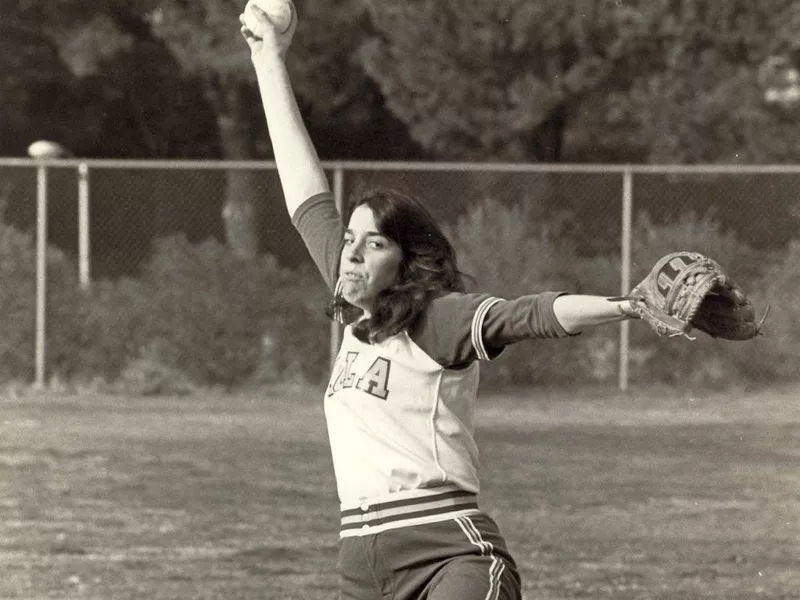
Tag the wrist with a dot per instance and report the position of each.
(267, 62)
(625, 307)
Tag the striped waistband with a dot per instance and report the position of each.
(429, 506)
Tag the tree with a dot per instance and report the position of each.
(344, 107)
(203, 37)
(698, 98)
(665, 80)
(486, 80)
(34, 84)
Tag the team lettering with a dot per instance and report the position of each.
(374, 380)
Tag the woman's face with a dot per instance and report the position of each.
(370, 261)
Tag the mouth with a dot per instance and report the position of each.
(350, 276)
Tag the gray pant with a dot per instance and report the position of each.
(463, 558)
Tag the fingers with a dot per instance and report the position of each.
(247, 33)
(260, 13)
(261, 33)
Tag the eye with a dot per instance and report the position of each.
(377, 244)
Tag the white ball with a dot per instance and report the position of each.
(280, 12)
(47, 149)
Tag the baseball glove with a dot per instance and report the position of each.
(687, 290)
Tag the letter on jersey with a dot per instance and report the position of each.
(374, 381)
(344, 377)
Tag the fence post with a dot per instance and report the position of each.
(338, 197)
(625, 274)
(41, 274)
(84, 248)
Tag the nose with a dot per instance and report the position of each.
(353, 253)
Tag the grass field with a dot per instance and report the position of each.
(600, 495)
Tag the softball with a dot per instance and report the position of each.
(280, 12)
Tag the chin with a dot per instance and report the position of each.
(356, 301)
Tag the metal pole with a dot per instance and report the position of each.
(41, 273)
(84, 258)
(338, 197)
(625, 275)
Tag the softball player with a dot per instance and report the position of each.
(400, 403)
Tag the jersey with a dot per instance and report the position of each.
(400, 411)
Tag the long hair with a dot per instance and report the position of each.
(428, 266)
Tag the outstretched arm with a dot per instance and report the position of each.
(577, 312)
(299, 168)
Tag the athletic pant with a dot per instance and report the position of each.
(462, 557)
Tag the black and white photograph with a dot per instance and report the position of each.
(399, 299)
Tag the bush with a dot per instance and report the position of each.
(202, 311)
(18, 299)
(775, 355)
(510, 255)
(200, 316)
(197, 316)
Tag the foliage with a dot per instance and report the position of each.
(496, 242)
(475, 80)
(18, 271)
(124, 100)
(666, 81)
(512, 254)
(670, 81)
(697, 98)
(198, 316)
(780, 347)
(34, 86)
(509, 253)
(220, 317)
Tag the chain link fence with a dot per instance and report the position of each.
(592, 224)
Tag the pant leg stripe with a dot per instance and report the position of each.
(497, 566)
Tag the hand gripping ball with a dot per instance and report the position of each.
(280, 12)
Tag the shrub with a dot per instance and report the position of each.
(217, 318)
(197, 316)
(200, 316)
(18, 299)
(509, 254)
(775, 355)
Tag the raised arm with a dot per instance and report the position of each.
(299, 168)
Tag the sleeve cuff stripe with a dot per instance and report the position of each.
(477, 327)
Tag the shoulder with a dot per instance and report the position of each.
(318, 207)
(320, 225)
(449, 330)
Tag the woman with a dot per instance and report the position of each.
(400, 402)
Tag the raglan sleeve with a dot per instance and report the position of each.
(320, 225)
(457, 328)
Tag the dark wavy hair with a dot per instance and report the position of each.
(427, 269)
